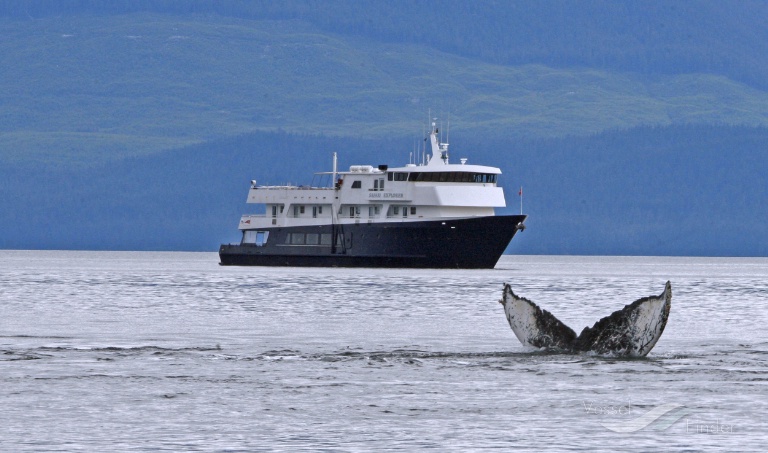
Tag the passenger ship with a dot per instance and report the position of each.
(432, 215)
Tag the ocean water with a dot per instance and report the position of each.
(107, 351)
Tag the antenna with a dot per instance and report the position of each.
(448, 129)
(421, 151)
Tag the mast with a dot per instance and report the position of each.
(439, 149)
(333, 181)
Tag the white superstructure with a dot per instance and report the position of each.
(434, 190)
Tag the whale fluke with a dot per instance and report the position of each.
(534, 326)
(632, 331)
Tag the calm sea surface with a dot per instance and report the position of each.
(106, 351)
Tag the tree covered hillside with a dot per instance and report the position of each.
(636, 127)
(646, 191)
(89, 81)
(651, 37)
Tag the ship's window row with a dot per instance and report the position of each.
(311, 238)
(299, 210)
(442, 176)
(355, 211)
(397, 210)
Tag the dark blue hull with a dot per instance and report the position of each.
(473, 243)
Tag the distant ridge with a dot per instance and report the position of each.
(636, 128)
(89, 82)
(649, 37)
(685, 190)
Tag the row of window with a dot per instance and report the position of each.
(311, 239)
(395, 210)
(298, 210)
(354, 211)
(259, 238)
(374, 211)
(351, 211)
(442, 176)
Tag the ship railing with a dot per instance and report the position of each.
(252, 216)
(291, 188)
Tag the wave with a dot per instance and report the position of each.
(42, 352)
(404, 355)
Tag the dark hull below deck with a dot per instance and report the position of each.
(473, 243)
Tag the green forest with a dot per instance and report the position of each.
(636, 127)
(646, 191)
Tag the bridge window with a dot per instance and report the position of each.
(452, 176)
(258, 238)
(398, 176)
(356, 184)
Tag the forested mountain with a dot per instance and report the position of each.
(687, 190)
(651, 37)
(636, 127)
(91, 81)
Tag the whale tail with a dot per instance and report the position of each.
(632, 331)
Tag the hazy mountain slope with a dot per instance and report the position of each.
(650, 37)
(646, 191)
(635, 127)
(83, 88)
(689, 190)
